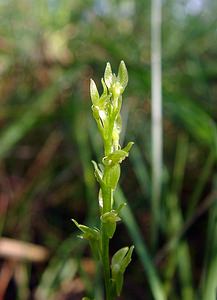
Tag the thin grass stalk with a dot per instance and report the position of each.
(156, 95)
(202, 180)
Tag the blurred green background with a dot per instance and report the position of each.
(49, 50)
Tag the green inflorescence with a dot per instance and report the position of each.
(106, 112)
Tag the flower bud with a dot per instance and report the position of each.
(123, 75)
(108, 75)
(94, 92)
(117, 89)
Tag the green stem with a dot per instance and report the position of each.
(107, 203)
(106, 263)
(108, 143)
(106, 196)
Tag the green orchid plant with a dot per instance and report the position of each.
(106, 112)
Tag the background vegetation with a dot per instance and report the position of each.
(48, 51)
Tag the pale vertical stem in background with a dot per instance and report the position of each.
(156, 100)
